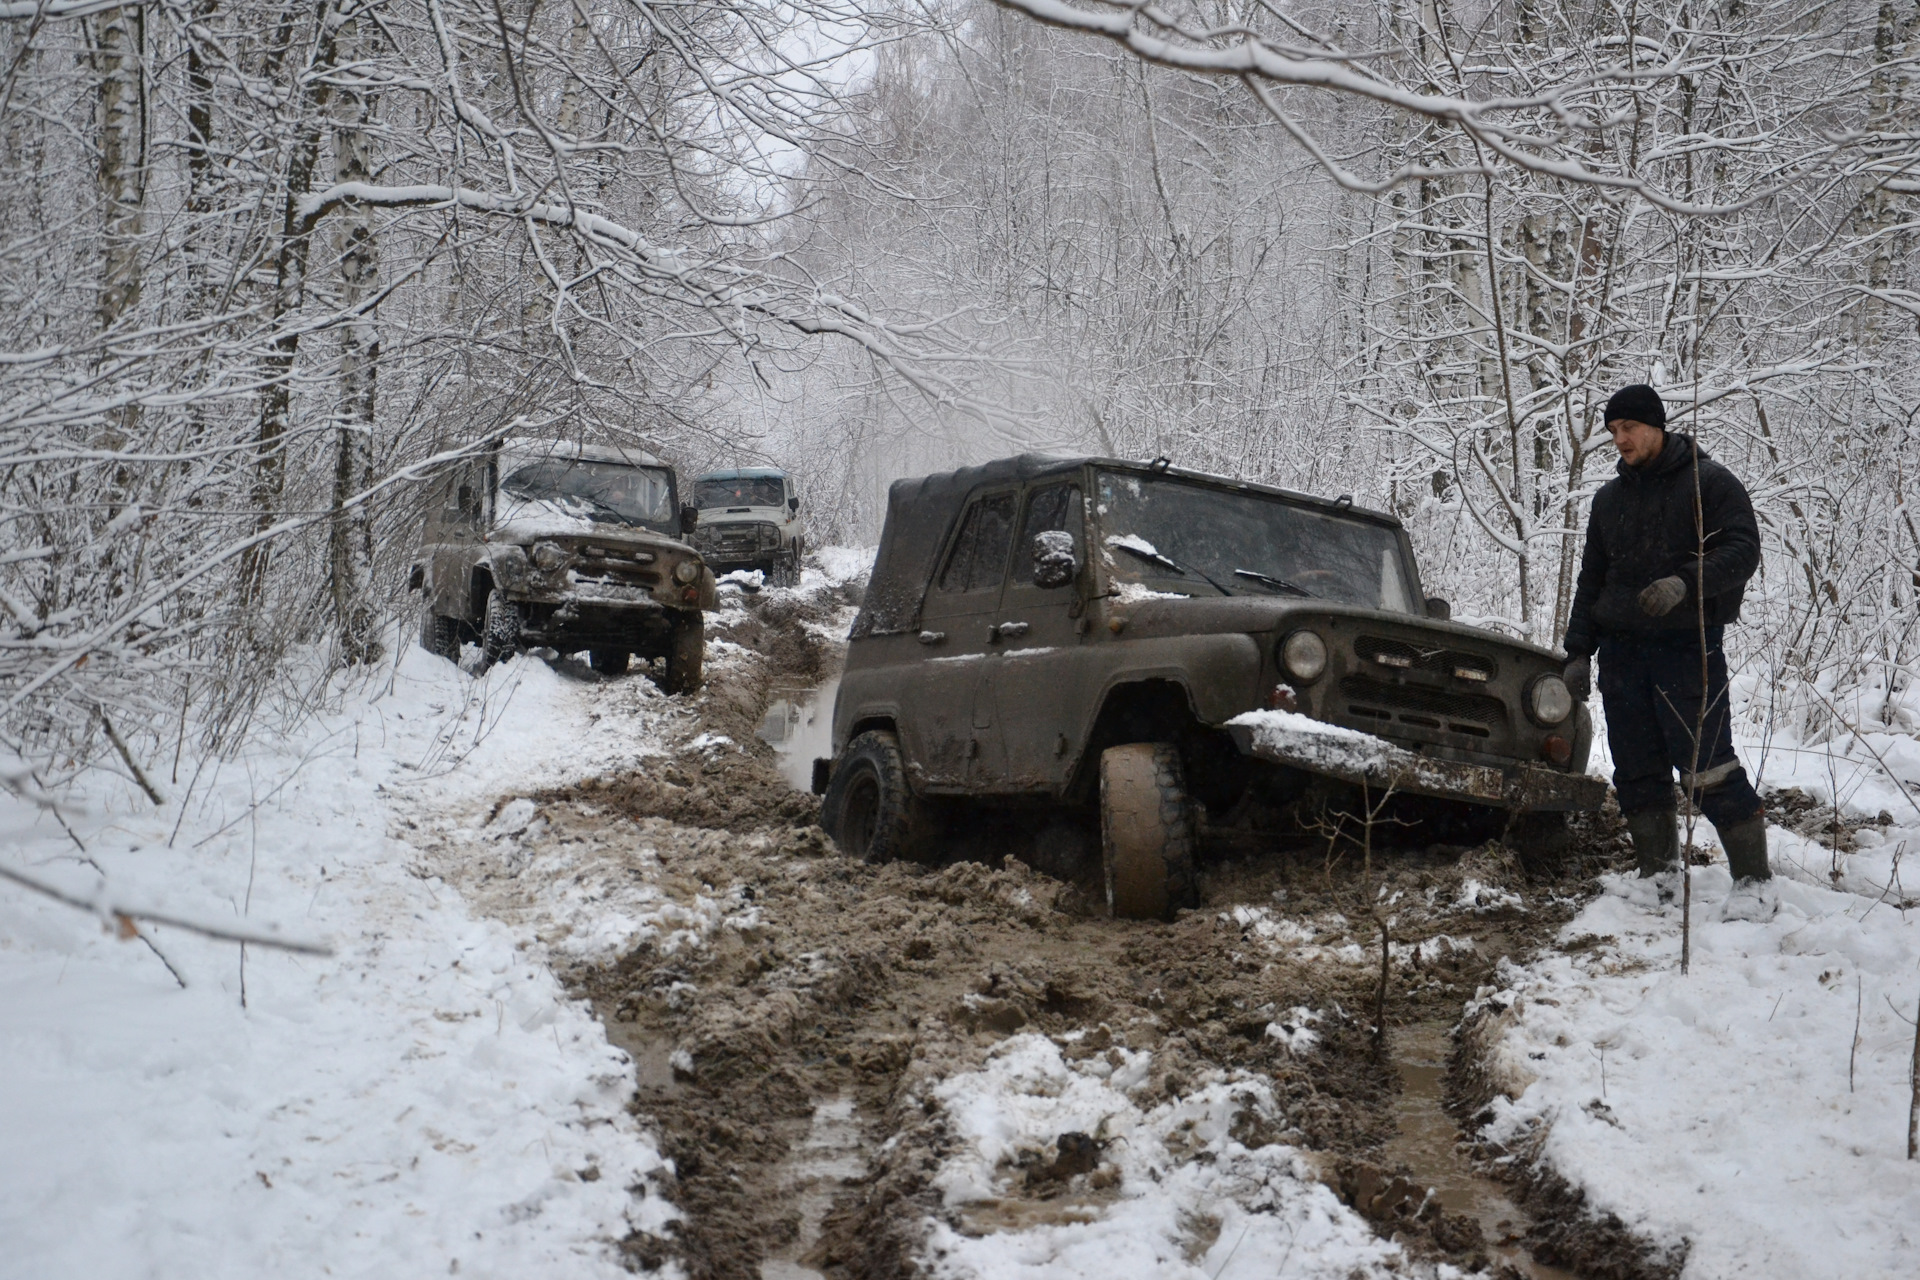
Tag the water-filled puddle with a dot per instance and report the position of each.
(799, 726)
(820, 1164)
(1428, 1143)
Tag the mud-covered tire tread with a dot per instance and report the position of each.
(1147, 830)
(686, 655)
(609, 662)
(500, 631)
(439, 635)
(785, 572)
(898, 826)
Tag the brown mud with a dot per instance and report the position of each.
(783, 1060)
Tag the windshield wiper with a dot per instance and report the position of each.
(1278, 584)
(1154, 557)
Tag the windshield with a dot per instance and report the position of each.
(604, 492)
(1171, 535)
(754, 491)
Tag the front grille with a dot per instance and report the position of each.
(1401, 656)
(614, 569)
(1434, 710)
(736, 538)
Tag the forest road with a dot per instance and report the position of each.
(792, 1013)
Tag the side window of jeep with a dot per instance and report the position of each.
(978, 560)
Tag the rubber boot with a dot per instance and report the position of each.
(1655, 840)
(1746, 846)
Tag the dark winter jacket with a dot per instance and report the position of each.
(1642, 529)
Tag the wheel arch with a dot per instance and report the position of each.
(1160, 708)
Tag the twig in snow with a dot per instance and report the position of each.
(1853, 1050)
(126, 757)
(1913, 1104)
(1236, 1248)
(108, 907)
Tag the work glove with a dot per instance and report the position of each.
(1579, 677)
(1658, 600)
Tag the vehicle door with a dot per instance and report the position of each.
(948, 708)
(1038, 680)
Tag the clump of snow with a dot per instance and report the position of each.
(427, 1097)
(1475, 896)
(1177, 1163)
(1134, 593)
(1294, 1030)
(747, 580)
(1315, 742)
(1133, 542)
(1730, 1107)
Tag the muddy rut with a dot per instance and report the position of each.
(785, 1047)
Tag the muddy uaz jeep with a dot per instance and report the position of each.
(1158, 645)
(546, 543)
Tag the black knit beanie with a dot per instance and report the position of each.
(1639, 402)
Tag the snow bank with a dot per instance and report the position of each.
(1190, 1197)
(424, 1101)
(1726, 1115)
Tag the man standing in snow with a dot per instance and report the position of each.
(1650, 573)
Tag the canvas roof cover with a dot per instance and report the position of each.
(919, 513)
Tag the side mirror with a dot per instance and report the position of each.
(793, 504)
(689, 519)
(1053, 562)
(1439, 609)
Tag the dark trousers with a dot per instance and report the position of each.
(1650, 686)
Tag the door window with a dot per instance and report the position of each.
(978, 560)
(1054, 508)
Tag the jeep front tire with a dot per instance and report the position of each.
(439, 635)
(869, 810)
(1147, 830)
(686, 655)
(500, 631)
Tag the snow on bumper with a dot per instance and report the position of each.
(1301, 742)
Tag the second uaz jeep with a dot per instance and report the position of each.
(567, 546)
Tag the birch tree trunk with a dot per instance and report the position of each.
(118, 47)
(350, 536)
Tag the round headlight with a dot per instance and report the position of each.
(548, 555)
(686, 571)
(1304, 655)
(1549, 701)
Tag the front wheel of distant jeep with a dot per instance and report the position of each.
(785, 572)
(869, 810)
(500, 632)
(686, 655)
(609, 662)
(1147, 828)
(439, 635)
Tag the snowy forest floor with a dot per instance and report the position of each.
(605, 999)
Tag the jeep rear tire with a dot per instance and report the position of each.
(609, 662)
(869, 810)
(500, 632)
(686, 655)
(1147, 827)
(439, 635)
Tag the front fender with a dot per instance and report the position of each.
(1220, 673)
